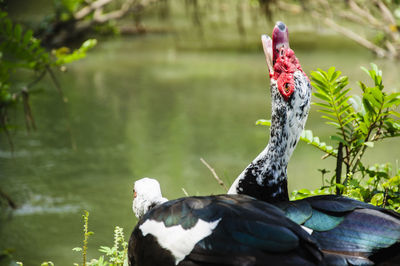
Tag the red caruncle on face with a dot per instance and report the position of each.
(285, 66)
(286, 85)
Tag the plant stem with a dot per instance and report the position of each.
(86, 237)
(339, 162)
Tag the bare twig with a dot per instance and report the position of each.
(56, 83)
(64, 100)
(220, 182)
(185, 192)
(29, 120)
(391, 48)
(9, 200)
(385, 197)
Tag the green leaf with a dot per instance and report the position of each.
(328, 112)
(368, 107)
(323, 105)
(88, 44)
(320, 85)
(338, 139)
(371, 100)
(334, 119)
(377, 199)
(378, 95)
(2, 14)
(334, 124)
(345, 109)
(308, 135)
(397, 114)
(366, 71)
(322, 96)
(341, 95)
(392, 99)
(27, 37)
(347, 119)
(263, 122)
(17, 31)
(304, 191)
(369, 144)
(8, 26)
(334, 74)
(315, 141)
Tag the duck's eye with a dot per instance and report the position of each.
(287, 87)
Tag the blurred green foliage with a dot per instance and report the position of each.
(21, 51)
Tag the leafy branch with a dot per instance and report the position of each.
(116, 254)
(86, 234)
(20, 50)
(360, 122)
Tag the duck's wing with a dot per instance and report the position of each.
(347, 226)
(222, 230)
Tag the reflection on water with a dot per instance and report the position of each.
(40, 204)
(142, 107)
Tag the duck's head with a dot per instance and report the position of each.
(146, 195)
(284, 68)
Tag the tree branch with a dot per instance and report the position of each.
(3, 121)
(386, 14)
(220, 182)
(362, 12)
(90, 8)
(116, 14)
(355, 37)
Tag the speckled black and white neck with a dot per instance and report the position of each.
(266, 176)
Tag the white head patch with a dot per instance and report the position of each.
(147, 194)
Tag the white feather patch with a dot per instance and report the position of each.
(308, 230)
(176, 239)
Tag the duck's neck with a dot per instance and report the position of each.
(266, 176)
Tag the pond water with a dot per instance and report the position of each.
(145, 106)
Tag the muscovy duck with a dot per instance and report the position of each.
(214, 230)
(340, 225)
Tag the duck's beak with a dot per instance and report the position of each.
(267, 46)
(280, 39)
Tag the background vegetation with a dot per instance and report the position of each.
(169, 82)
